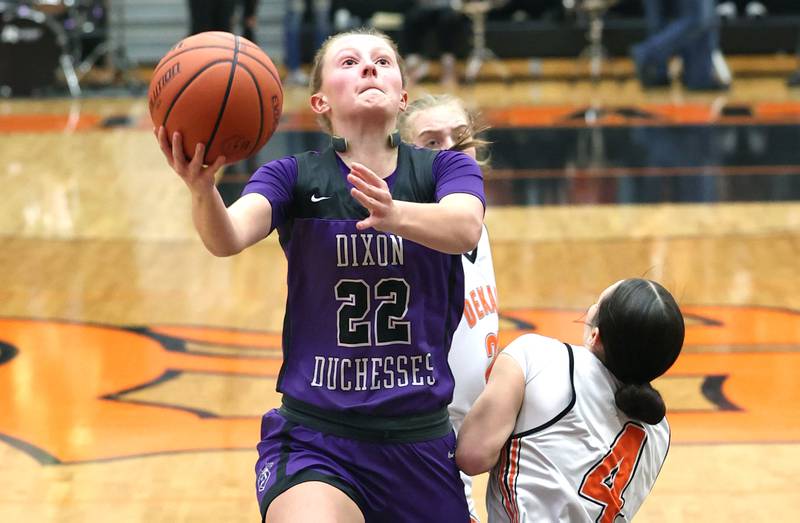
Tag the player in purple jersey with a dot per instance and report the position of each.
(373, 230)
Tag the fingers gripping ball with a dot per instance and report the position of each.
(219, 89)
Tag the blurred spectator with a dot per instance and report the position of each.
(688, 28)
(249, 19)
(211, 15)
(437, 20)
(293, 31)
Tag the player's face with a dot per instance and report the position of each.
(591, 314)
(440, 127)
(360, 76)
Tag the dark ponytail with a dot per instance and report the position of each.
(641, 329)
(641, 402)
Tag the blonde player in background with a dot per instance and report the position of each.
(442, 122)
(578, 433)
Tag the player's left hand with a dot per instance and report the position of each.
(371, 191)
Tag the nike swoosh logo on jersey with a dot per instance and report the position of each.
(315, 198)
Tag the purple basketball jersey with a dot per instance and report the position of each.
(369, 315)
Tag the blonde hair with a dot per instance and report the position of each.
(315, 82)
(465, 141)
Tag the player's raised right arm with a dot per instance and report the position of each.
(224, 232)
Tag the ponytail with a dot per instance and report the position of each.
(641, 402)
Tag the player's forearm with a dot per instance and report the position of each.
(479, 442)
(450, 229)
(476, 451)
(213, 224)
(491, 420)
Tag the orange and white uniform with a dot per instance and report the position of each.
(475, 340)
(573, 455)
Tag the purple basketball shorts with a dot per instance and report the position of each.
(390, 482)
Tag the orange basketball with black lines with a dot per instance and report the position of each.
(218, 89)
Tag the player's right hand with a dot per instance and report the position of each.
(194, 174)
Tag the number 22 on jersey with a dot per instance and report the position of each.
(391, 306)
(606, 481)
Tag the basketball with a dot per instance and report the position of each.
(218, 89)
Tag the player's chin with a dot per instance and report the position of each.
(379, 107)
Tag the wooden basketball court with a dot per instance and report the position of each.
(134, 366)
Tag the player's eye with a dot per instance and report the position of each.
(432, 144)
(348, 61)
(384, 61)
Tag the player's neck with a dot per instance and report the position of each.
(370, 147)
(597, 350)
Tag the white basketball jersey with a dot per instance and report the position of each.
(474, 343)
(573, 455)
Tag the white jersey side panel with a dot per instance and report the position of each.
(475, 339)
(574, 455)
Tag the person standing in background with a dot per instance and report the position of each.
(450, 29)
(211, 15)
(249, 19)
(293, 31)
(689, 28)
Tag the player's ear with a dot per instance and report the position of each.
(403, 101)
(594, 338)
(596, 344)
(319, 103)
